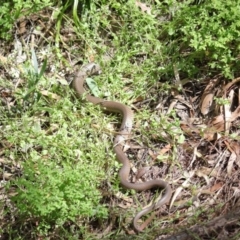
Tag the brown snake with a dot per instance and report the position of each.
(123, 134)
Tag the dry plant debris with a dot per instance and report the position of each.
(205, 170)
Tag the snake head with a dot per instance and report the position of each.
(91, 69)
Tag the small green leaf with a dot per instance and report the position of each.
(34, 61)
(93, 87)
(43, 68)
(181, 139)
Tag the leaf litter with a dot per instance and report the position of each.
(205, 172)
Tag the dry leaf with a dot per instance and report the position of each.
(50, 94)
(189, 129)
(138, 99)
(2, 160)
(235, 147)
(91, 54)
(227, 112)
(217, 124)
(232, 159)
(204, 172)
(152, 154)
(141, 172)
(143, 7)
(235, 114)
(119, 195)
(140, 154)
(179, 189)
(165, 149)
(3, 59)
(216, 187)
(207, 103)
(229, 85)
(125, 205)
(208, 95)
(6, 175)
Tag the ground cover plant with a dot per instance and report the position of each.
(175, 63)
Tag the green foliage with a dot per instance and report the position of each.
(63, 157)
(11, 10)
(56, 193)
(33, 76)
(61, 172)
(211, 30)
(194, 37)
(221, 101)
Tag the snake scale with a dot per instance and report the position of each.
(122, 135)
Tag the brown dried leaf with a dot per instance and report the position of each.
(165, 149)
(138, 99)
(6, 176)
(179, 189)
(223, 122)
(2, 160)
(188, 129)
(216, 124)
(208, 95)
(176, 193)
(3, 59)
(206, 103)
(205, 173)
(216, 120)
(235, 147)
(2, 197)
(231, 160)
(140, 153)
(121, 196)
(91, 54)
(172, 105)
(182, 100)
(125, 205)
(211, 135)
(235, 114)
(229, 85)
(238, 96)
(216, 187)
(227, 112)
(152, 154)
(141, 172)
(143, 7)
(22, 22)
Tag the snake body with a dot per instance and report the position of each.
(123, 134)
